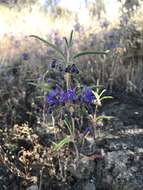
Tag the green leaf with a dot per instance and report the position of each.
(68, 125)
(33, 83)
(97, 90)
(50, 45)
(71, 37)
(89, 53)
(103, 117)
(59, 145)
(96, 96)
(106, 97)
(42, 85)
(102, 92)
(66, 41)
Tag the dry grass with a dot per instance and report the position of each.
(16, 26)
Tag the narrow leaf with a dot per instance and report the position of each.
(68, 126)
(96, 95)
(103, 117)
(89, 53)
(44, 86)
(97, 90)
(106, 97)
(50, 45)
(102, 92)
(66, 41)
(71, 37)
(59, 145)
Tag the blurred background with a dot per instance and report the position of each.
(26, 135)
(111, 25)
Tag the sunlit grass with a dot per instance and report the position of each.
(35, 21)
(17, 25)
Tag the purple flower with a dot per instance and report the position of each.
(52, 97)
(110, 45)
(68, 96)
(49, 80)
(74, 69)
(110, 34)
(90, 109)
(58, 96)
(87, 95)
(71, 95)
(25, 56)
(63, 97)
(53, 64)
(88, 129)
(104, 24)
(68, 69)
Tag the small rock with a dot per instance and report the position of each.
(33, 187)
(89, 186)
(84, 168)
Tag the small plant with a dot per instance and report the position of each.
(69, 101)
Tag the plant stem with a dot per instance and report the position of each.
(41, 175)
(74, 143)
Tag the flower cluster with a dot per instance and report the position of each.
(69, 69)
(57, 96)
